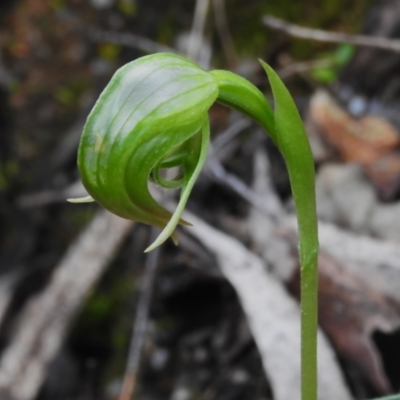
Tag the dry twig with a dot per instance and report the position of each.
(225, 137)
(331, 37)
(224, 32)
(373, 261)
(302, 67)
(140, 324)
(7, 285)
(268, 206)
(197, 32)
(129, 40)
(44, 321)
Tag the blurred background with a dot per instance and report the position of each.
(210, 323)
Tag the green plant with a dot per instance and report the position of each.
(337, 59)
(153, 115)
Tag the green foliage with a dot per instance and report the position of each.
(128, 7)
(153, 115)
(57, 4)
(109, 51)
(8, 170)
(338, 58)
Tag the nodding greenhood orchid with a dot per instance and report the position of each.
(154, 115)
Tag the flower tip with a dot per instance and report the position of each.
(87, 199)
(150, 248)
(160, 240)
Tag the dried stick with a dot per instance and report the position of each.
(140, 324)
(224, 32)
(7, 285)
(270, 206)
(196, 34)
(129, 40)
(45, 319)
(331, 37)
(226, 137)
(302, 67)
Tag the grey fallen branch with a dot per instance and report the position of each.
(303, 67)
(330, 37)
(129, 40)
(372, 260)
(226, 137)
(45, 319)
(45, 197)
(273, 317)
(7, 285)
(269, 206)
(222, 26)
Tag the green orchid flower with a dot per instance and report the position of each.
(153, 115)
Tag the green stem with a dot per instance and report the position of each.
(287, 131)
(292, 141)
(309, 327)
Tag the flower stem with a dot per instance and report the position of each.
(309, 326)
